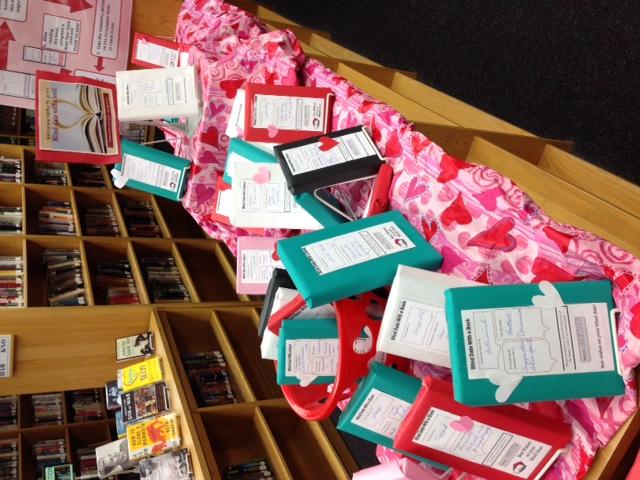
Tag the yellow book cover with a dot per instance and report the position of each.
(153, 436)
(140, 374)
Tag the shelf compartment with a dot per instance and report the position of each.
(31, 167)
(112, 249)
(71, 412)
(36, 270)
(88, 198)
(15, 247)
(37, 196)
(11, 195)
(306, 450)
(179, 222)
(150, 248)
(195, 331)
(86, 436)
(206, 271)
(96, 176)
(240, 327)
(240, 435)
(124, 197)
(28, 440)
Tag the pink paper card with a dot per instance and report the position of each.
(257, 257)
(85, 38)
(403, 469)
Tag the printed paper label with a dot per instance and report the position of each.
(421, 325)
(156, 54)
(59, 33)
(273, 197)
(150, 173)
(288, 113)
(381, 413)
(40, 55)
(257, 266)
(308, 158)
(485, 445)
(312, 357)
(14, 10)
(16, 84)
(156, 92)
(530, 341)
(6, 353)
(354, 248)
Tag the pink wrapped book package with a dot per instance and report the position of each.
(402, 469)
(485, 227)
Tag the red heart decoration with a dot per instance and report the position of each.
(351, 91)
(231, 87)
(559, 238)
(450, 167)
(634, 326)
(366, 106)
(496, 237)
(210, 137)
(393, 147)
(327, 143)
(450, 259)
(483, 277)
(456, 212)
(545, 270)
(414, 190)
(489, 197)
(274, 254)
(429, 228)
(418, 143)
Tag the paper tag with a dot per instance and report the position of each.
(224, 205)
(257, 266)
(16, 84)
(421, 325)
(288, 113)
(155, 92)
(156, 54)
(381, 413)
(317, 357)
(6, 356)
(236, 118)
(530, 341)
(270, 197)
(493, 447)
(150, 173)
(354, 248)
(308, 158)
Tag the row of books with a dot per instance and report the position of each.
(11, 282)
(10, 170)
(163, 280)
(10, 220)
(8, 413)
(86, 405)
(56, 218)
(140, 219)
(47, 173)
(114, 280)
(100, 220)
(47, 409)
(254, 470)
(9, 459)
(65, 282)
(49, 453)
(87, 176)
(209, 378)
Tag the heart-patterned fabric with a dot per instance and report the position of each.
(486, 228)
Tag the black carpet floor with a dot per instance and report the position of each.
(558, 68)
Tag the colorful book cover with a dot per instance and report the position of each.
(112, 395)
(173, 465)
(153, 436)
(113, 458)
(145, 402)
(134, 346)
(140, 374)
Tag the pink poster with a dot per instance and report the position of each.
(81, 37)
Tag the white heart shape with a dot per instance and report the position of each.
(550, 297)
(505, 382)
(306, 379)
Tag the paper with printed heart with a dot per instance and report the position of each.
(327, 143)
(463, 425)
(505, 382)
(262, 176)
(272, 131)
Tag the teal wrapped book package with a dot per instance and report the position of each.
(152, 171)
(355, 257)
(380, 405)
(533, 342)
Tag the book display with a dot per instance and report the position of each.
(139, 347)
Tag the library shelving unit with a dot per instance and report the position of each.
(64, 349)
